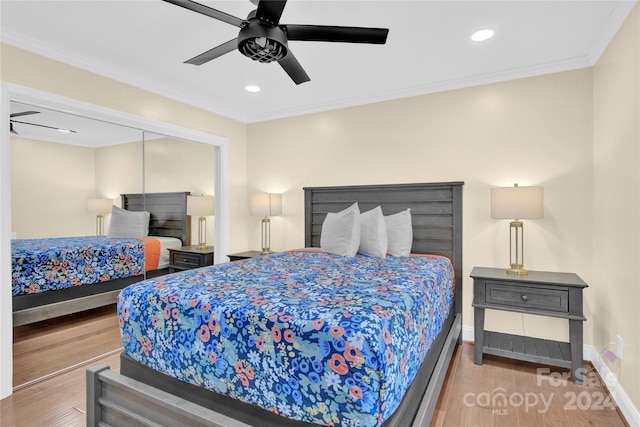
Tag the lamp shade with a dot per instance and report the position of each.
(266, 204)
(516, 202)
(99, 206)
(200, 205)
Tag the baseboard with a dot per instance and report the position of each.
(627, 408)
(467, 334)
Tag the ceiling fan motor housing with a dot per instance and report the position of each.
(262, 42)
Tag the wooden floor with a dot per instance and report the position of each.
(508, 393)
(501, 392)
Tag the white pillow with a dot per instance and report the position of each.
(126, 224)
(399, 233)
(340, 233)
(373, 233)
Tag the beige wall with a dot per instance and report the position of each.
(119, 170)
(616, 177)
(50, 185)
(529, 131)
(51, 182)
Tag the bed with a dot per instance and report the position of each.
(77, 274)
(303, 352)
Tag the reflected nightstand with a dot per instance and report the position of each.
(188, 257)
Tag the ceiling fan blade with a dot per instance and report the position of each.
(24, 113)
(293, 68)
(214, 53)
(44, 126)
(329, 33)
(208, 11)
(270, 10)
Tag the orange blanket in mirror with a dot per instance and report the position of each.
(151, 253)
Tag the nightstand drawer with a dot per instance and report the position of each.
(184, 259)
(531, 297)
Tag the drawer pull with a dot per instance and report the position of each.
(524, 297)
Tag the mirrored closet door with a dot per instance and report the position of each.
(66, 173)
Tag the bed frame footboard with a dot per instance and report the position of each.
(116, 400)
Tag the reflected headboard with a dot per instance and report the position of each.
(168, 213)
(436, 214)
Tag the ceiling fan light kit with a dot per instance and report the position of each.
(263, 43)
(263, 39)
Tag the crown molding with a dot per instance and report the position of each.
(442, 86)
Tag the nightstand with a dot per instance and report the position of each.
(540, 293)
(188, 257)
(244, 255)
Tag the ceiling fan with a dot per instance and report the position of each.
(262, 37)
(28, 113)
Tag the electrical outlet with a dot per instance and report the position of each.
(619, 347)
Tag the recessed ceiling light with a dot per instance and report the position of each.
(482, 35)
(252, 88)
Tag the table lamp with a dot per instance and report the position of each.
(202, 207)
(516, 203)
(266, 205)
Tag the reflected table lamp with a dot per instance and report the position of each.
(266, 205)
(516, 203)
(100, 207)
(202, 207)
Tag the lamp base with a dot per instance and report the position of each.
(202, 233)
(517, 270)
(265, 229)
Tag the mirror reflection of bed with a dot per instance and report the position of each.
(54, 174)
(42, 320)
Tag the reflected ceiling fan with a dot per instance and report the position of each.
(28, 113)
(263, 39)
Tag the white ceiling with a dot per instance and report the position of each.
(145, 42)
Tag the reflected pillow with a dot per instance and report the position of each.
(399, 233)
(126, 224)
(340, 233)
(373, 233)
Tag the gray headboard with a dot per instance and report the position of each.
(436, 213)
(168, 213)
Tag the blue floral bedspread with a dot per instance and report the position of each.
(39, 265)
(310, 336)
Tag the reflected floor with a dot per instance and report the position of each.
(51, 347)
